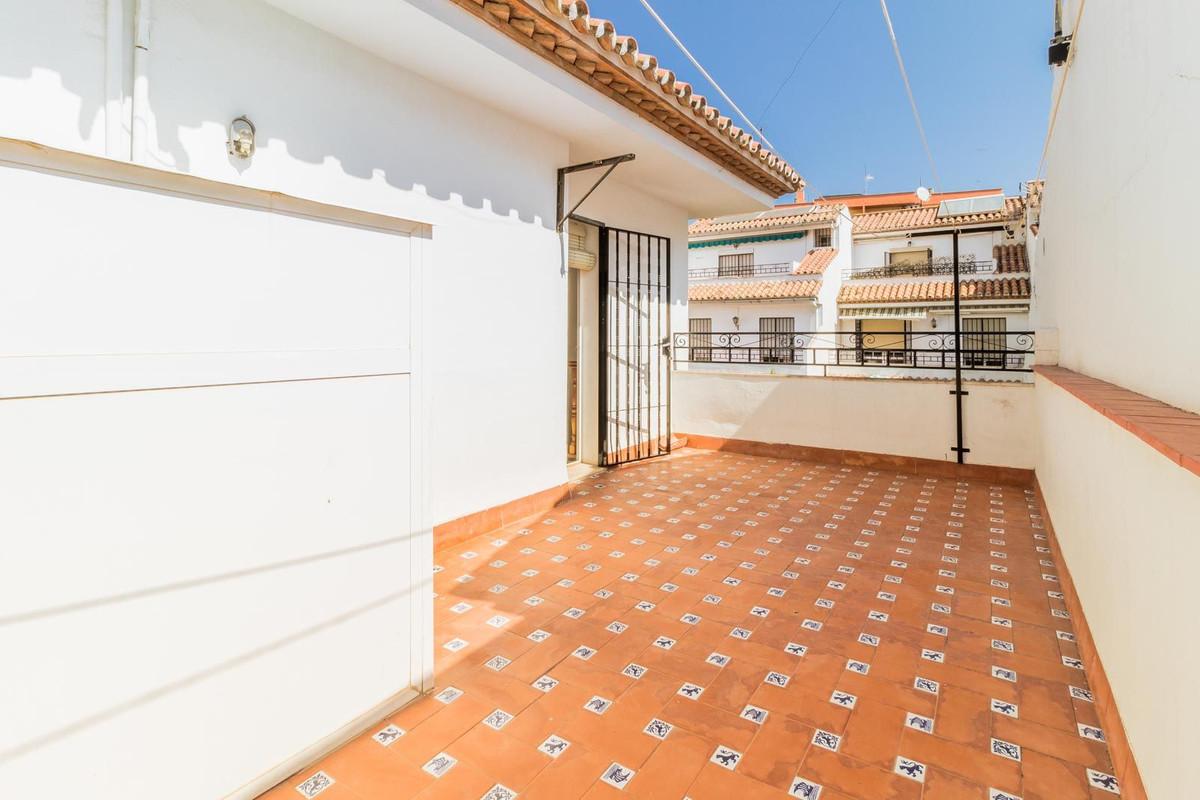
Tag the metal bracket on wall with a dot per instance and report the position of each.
(563, 172)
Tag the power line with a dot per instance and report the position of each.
(803, 53)
(704, 72)
(912, 101)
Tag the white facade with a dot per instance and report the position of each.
(871, 250)
(1116, 281)
(779, 257)
(237, 394)
(927, 321)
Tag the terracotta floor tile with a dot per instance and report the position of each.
(717, 783)
(672, 768)
(462, 781)
(710, 722)
(873, 733)
(569, 776)
(976, 764)
(964, 716)
(1053, 742)
(716, 570)
(1048, 778)
(373, 771)
(942, 785)
(511, 761)
(775, 754)
(843, 774)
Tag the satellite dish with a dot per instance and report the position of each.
(923, 194)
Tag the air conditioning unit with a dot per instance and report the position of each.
(578, 256)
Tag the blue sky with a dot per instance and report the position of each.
(977, 67)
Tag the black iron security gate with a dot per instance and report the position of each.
(635, 355)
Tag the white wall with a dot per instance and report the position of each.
(1117, 273)
(1116, 282)
(140, 494)
(777, 252)
(338, 125)
(870, 252)
(52, 73)
(909, 418)
(749, 313)
(1125, 518)
(212, 482)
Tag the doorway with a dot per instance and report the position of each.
(635, 334)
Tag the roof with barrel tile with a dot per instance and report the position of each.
(912, 291)
(816, 261)
(589, 48)
(754, 290)
(927, 217)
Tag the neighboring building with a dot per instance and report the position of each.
(898, 299)
(286, 288)
(819, 288)
(759, 283)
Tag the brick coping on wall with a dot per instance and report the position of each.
(1171, 431)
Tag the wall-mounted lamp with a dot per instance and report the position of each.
(933, 322)
(241, 138)
(736, 322)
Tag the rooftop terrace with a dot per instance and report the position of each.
(712, 625)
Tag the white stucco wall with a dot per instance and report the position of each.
(1117, 270)
(775, 252)
(897, 417)
(1116, 282)
(871, 250)
(1125, 518)
(337, 125)
(749, 313)
(345, 128)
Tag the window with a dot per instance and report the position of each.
(823, 237)
(884, 341)
(909, 257)
(735, 265)
(700, 339)
(984, 341)
(776, 343)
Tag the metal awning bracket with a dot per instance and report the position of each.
(563, 172)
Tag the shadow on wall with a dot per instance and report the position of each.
(314, 98)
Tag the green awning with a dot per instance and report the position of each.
(766, 237)
(899, 312)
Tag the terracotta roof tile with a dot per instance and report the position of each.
(564, 33)
(764, 221)
(754, 290)
(817, 260)
(1010, 258)
(926, 217)
(914, 291)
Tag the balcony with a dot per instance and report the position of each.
(741, 271)
(999, 352)
(967, 265)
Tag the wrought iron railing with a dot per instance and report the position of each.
(967, 265)
(991, 351)
(741, 271)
